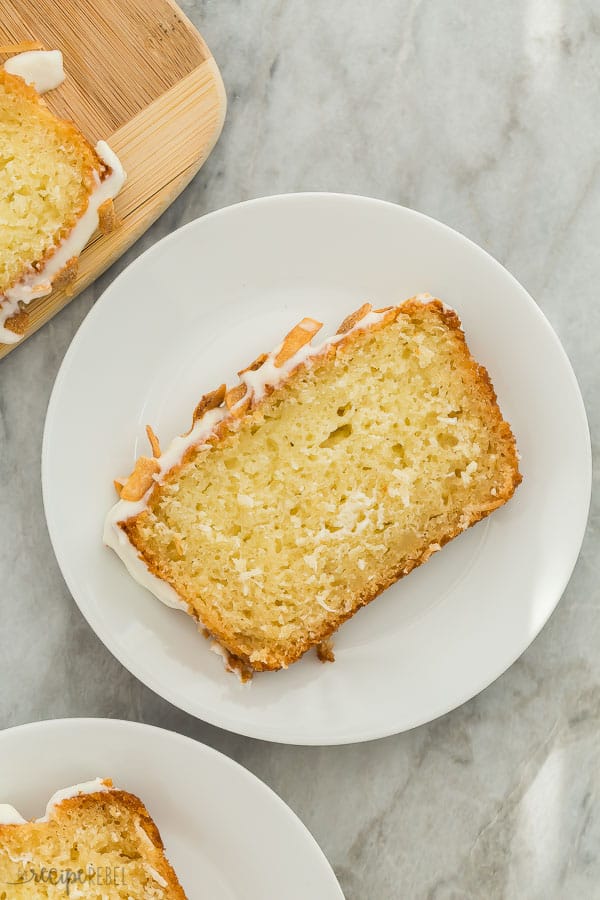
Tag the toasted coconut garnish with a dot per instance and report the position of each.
(325, 651)
(140, 479)
(237, 400)
(234, 395)
(21, 47)
(255, 365)
(67, 274)
(107, 217)
(154, 443)
(355, 318)
(209, 401)
(300, 335)
(19, 322)
(351, 320)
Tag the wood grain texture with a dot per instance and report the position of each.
(139, 76)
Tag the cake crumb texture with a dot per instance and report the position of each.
(109, 837)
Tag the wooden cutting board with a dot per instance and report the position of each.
(139, 76)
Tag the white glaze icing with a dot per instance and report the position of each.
(271, 375)
(216, 648)
(197, 437)
(220, 651)
(427, 298)
(41, 68)
(268, 375)
(10, 816)
(115, 538)
(37, 284)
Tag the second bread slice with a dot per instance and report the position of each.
(94, 842)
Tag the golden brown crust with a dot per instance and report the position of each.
(481, 385)
(20, 87)
(160, 861)
(63, 279)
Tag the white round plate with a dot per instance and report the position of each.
(200, 305)
(226, 834)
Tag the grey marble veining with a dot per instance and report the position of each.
(486, 116)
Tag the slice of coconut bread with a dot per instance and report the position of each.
(55, 190)
(324, 476)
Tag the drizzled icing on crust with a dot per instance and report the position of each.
(43, 69)
(39, 283)
(257, 383)
(10, 816)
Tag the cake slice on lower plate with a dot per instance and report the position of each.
(325, 475)
(94, 841)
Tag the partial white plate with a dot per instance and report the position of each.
(226, 833)
(199, 306)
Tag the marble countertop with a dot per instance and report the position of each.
(483, 115)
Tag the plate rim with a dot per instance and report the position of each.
(294, 736)
(204, 750)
